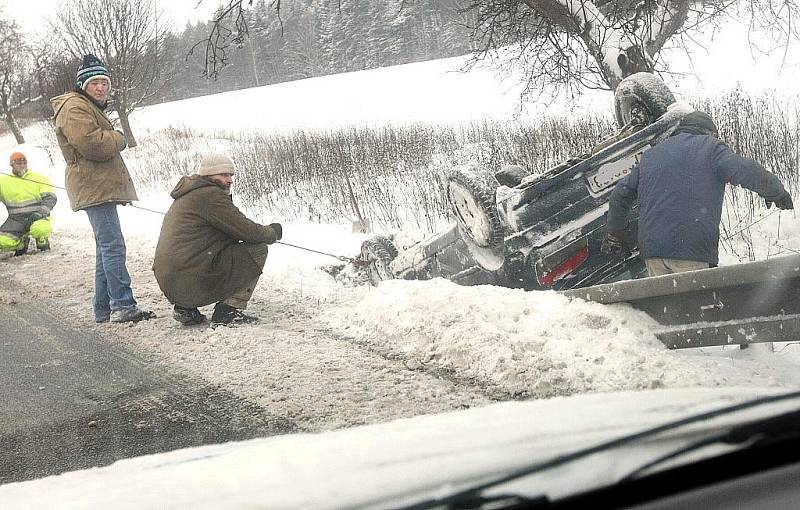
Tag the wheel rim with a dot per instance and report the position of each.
(471, 218)
(377, 270)
(377, 258)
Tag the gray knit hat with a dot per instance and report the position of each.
(699, 122)
(215, 164)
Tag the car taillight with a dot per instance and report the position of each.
(547, 278)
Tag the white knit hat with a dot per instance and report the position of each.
(215, 164)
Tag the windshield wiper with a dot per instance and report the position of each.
(472, 498)
(758, 432)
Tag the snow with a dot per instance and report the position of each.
(440, 94)
(514, 343)
(331, 356)
(523, 343)
(378, 465)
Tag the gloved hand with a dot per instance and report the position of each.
(783, 202)
(124, 139)
(613, 245)
(35, 216)
(278, 229)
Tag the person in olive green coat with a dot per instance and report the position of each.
(208, 250)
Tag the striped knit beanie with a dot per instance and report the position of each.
(91, 67)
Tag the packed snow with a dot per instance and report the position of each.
(386, 465)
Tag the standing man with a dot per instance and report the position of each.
(680, 184)
(208, 251)
(29, 198)
(97, 180)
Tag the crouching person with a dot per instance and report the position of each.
(29, 198)
(208, 251)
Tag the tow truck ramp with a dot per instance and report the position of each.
(740, 304)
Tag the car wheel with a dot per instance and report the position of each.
(641, 97)
(471, 194)
(377, 253)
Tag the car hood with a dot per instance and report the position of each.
(389, 464)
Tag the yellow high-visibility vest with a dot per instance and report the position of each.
(26, 194)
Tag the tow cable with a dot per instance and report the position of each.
(355, 261)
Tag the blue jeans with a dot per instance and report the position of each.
(112, 283)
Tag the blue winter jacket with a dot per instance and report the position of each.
(680, 184)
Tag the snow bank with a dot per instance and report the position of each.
(537, 343)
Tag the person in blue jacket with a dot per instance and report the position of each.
(680, 185)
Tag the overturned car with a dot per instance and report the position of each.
(539, 231)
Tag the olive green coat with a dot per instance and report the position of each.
(200, 257)
(96, 173)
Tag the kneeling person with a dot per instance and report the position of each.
(29, 198)
(208, 251)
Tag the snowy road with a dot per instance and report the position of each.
(324, 356)
(327, 356)
(290, 364)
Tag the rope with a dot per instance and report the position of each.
(340, 257)
(65, 189)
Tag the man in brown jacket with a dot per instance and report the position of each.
(97, 180)
(208, 251)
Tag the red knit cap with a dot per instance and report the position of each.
(17, 156)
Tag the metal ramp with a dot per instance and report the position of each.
(741, 304)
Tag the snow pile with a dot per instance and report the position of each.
(536, 343)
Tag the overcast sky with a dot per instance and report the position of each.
(32, 14)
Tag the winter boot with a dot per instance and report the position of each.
(133, 314)
(227, 315)
(23, 248)
(188, 316)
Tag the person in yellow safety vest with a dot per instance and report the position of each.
(29, 198)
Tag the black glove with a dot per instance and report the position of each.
(276, 227)
(785, 201)
(613, 245)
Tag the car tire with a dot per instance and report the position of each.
(471, 195)
(641, 91)
(378, 252)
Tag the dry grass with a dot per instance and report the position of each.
(396, 174)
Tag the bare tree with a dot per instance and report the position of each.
(14, 69)
(128, 36)
(228, 28)
(572, 44)
(53, 71)
(597, 43)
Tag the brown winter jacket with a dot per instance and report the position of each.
(200, 257)
(96, 173)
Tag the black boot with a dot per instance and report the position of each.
(23, 249)
(228, 316)
(188, 316)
